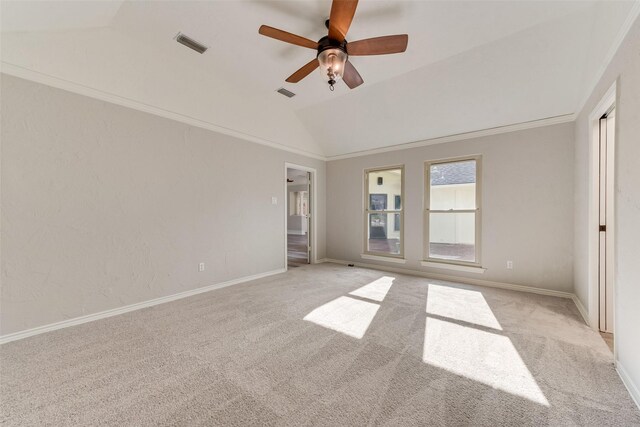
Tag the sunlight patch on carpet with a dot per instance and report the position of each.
(461, 304)
(346, 315)
(376, 290)
(481, 356)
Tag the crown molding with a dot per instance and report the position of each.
(46, 79)
(549, 121)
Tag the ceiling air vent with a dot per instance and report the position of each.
(191, 43)
(287, 93)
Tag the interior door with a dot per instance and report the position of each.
(309, 219)
(606, 248)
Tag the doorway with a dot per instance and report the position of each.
(298, 216)
(601, 225)
(606, 190)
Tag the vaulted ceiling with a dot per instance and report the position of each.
(470, 65)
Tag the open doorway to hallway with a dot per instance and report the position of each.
(298, 217)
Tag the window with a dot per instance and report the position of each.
(452, 211)
(383, 214)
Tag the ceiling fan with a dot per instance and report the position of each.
(333, 51)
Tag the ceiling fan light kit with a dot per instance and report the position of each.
(333, 50)
(332, 57)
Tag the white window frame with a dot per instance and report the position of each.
(370, 254)
(427, 210)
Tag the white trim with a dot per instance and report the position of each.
(583, 311)
(457, 279)
(49, 80)
(457, 267)
(314, 211)
(593, 216)
(366, 210)
(383, 258)
(622, 33)
(549, 121)
(132, 307)
(24, 73)
(477, 211)
(633, 390)
(608, 99)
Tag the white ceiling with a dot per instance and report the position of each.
(470, 65)
(37, 15)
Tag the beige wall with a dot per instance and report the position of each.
(104, 206)
(527, 204)
(625, 69)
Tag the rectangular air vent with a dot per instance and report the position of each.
(191, 43)
(287, 93)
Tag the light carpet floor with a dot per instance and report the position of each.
(429, 353)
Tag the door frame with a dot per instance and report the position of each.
(313, 258)
(606, 104)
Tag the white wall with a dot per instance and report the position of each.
(104, 206)
(527, 204)
(625, 69)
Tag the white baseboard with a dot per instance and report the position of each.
(127, 308)
(458, 279)
(297, 232)
(628, 383)
(322, 261)
(581, 309)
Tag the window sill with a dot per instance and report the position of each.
(446, 266)
(383, 258)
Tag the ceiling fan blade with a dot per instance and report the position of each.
(284, 36)
(351, 76)
(304, 71)
(342, 12)
(379, 45)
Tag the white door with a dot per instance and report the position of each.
(309, 201)
(606, 255)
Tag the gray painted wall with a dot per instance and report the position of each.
(625, 68)
(104, 206)
(527, 205)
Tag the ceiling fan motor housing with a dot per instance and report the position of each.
(327, 43)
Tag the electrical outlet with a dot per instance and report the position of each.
(201, 266)
(509, 265)
(274, 200)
